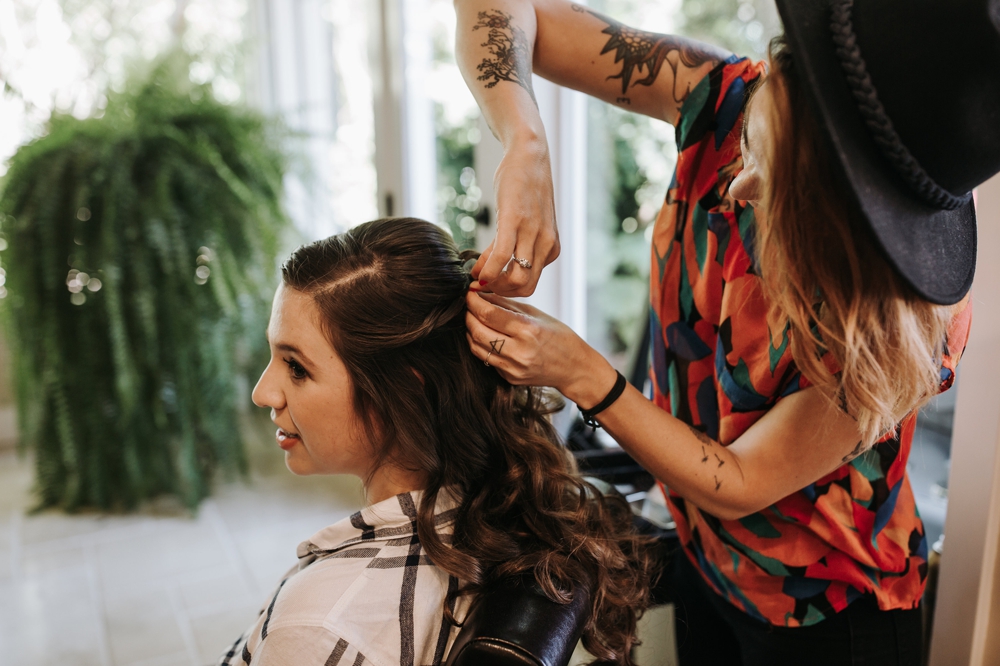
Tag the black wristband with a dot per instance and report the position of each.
(615, 393)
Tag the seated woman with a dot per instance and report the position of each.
(371, 374)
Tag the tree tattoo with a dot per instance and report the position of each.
(638, 50)
(510, 55)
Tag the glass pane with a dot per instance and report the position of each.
(456, 119)
(930, 460)
(64, 56)
(353, 181)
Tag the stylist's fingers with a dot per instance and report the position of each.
(503, 315)
(522, 273)
(499, 351)
(511, 305)
(497, 257)
(486, 355)
(477, 268)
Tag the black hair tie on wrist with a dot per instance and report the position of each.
(615, 393)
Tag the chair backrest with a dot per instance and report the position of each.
(515, 624)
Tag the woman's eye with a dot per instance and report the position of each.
(298, 372)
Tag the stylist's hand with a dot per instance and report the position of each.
(526, 221)
(530, 348)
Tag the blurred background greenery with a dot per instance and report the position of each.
(178, 172)
(139, 270)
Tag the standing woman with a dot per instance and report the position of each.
(809, 285)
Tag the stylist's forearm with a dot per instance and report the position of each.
(691, 463)
(501, 84)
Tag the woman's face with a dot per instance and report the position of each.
(749, 185)
(309, 392)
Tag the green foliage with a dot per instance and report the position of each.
(742, 26)
(141, 253)
(458, 192)
(632, 158)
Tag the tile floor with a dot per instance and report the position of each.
(157, 588)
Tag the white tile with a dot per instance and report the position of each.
(6, 564)
(53, 525)
(39, 559)
(54, 619)
(211, 587)
(214, 633)
(141, 626)
(173, 659)
(179, 549)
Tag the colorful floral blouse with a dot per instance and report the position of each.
(718, 367)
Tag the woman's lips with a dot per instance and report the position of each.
(286, 440)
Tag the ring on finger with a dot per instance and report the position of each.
(523, 263)
(487, 361)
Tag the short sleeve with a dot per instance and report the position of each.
(958, 337)
(716, 102)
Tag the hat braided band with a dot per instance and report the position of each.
(875, 117)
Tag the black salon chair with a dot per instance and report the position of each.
(517, 625)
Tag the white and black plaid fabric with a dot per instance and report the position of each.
(362, 593)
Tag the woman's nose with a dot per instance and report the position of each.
(266, 393)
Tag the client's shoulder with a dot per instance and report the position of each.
(366, 578)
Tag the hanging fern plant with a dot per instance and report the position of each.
(140, 256)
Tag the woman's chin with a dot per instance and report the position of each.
(296, 465)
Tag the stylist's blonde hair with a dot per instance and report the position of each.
(825, 275)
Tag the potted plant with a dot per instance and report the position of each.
(140, 255)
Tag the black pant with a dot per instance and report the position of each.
(712, 632)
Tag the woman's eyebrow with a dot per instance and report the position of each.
(292, 349)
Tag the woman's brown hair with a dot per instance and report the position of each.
(826, 276)
(392, 297)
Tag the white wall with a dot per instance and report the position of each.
(962, 619)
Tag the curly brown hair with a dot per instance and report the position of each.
(392, 297)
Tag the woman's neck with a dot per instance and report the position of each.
(389, 481)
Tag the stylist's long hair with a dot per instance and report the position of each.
(392, 297)
(826, 276)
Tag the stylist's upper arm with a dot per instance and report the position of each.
(498, 45)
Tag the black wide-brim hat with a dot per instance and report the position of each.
(908, 92)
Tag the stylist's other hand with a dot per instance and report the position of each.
(526, 221)
(530, 348)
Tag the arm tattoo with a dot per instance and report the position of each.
(637, 49)
(855, 452)
(721, 461)
(704, 455)
(510, 54)
(718, 484)
(702, 437)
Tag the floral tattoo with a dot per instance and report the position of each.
(510, 54)
(638, 50)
